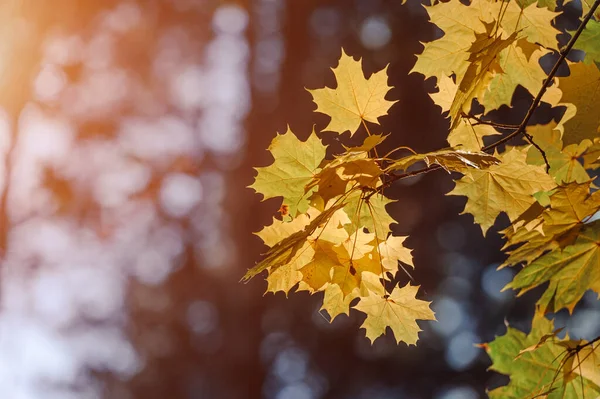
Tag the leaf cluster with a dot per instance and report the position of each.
(333, 234)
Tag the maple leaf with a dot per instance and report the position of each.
(284, 251)
(533, 23)
(369, 213)
(553, 227)
(295, 165)
(481, 70)
(564, 269)
(335, 302)
(355, 99)
(517, 69)
(355, 257)
(460, 23)
(317, 272)
(445, 94)
(564, 164)
(468, 136)
(507, 187)
(287, 275)
(536, 368)
(354, 169)
(589, 41)
(393, 251)
(449, 159)
(399, 310)
(581, 89)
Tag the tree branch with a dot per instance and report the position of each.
(480, 121)
(522, 126)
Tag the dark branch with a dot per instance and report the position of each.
(523, 125)
(549, 79)
(479, 121)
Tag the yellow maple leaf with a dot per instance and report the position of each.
(468, 136)
(399, 310)
(370, 213)
(286, 276)
(570, 206)
(393, 251)
(317, 272)
(285, 250)
(581, 89)
(460, 23)
(517, 69)
(445, 94)
(533, 23)
(449, 159)
(507, 187)
(564, 162)
(296, 163)
(355, 99)
(481, 70)
(546, 229)
(335, 302)
(355, 257)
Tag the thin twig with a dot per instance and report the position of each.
(578, 348)
(546, 84)
(522, 126)
(490, 123)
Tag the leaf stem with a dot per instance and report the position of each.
(522, 126)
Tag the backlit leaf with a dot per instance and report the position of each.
(355, 99)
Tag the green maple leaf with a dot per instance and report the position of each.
(538, 365)
(571, 271)
(589, 41)
(295, 165)
(355, 99)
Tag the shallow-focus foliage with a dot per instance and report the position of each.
(334, 236)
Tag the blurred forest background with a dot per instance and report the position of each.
(128, 132)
